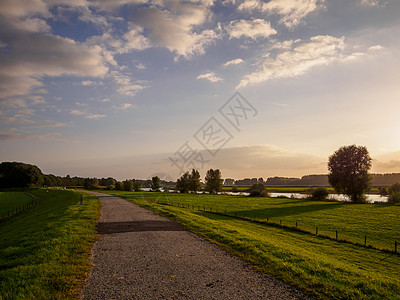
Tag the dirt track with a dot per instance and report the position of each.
(141, 255)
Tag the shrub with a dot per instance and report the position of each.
(394, 188)
(394, 197)
(319, 193)
(258, 190)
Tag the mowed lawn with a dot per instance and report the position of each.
(12, 200)
(322, 267)
(380, 223)
(45, 251)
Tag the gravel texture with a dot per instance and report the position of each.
(141, 255)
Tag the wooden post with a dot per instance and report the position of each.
(316, 230)
(336, 235)
(365, 241)
(395, 246)
(296, 224)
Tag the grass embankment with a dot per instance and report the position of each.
(323, 267)
(10, 201)
(45, 252)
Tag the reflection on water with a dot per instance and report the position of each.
(371, 198)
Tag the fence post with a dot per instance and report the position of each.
(336, 235)
(365, 241)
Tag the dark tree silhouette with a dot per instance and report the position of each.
(348, 172)
(20, 175)
(213, 181)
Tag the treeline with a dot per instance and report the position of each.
(313, 180)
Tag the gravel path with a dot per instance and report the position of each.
(141, 255)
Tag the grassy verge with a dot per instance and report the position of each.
(322, 267)
(45, 252)
(12, 200)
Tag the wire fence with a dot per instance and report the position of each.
(20, 209)
(365, 241)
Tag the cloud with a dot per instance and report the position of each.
(14, 134)
(254, 29)
(88, 82)
(172, 25)
(125, 84)
(140, 66)
(86, 114)
(291, 11)
(34, 52)
(210, 76)
(373, 3)
(123, 106)
(233, 62)
(299, 58)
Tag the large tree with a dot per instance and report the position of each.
(189, 182)
(155, 183)
(20, 175)
(213, 181)
(194, 181)
(348, 172)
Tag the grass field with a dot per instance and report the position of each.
(45, 252)
(10, 201)
(380, 223)
(322, 267)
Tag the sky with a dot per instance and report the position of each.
(135, 88)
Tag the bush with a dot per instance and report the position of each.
(258, 190)
(319, 193)
(394, 197)
(394, 188)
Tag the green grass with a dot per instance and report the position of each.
(10, 201)
(45, 252)
(322, 267)
(379, 222)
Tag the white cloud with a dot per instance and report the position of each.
(233, 62)
(86, 114)
(250, 28)
(94, 116)
(291, 11)
(125, 84)
(88, 82)
(140, 66)
(373, 3)
(210, 76)
(173, 26)
(77, 112)
(124, 106)
(300, 58)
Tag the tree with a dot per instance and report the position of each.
(110, 183)
(20, 175)
(194, 181)
(213, 181)
(182, 184)
(348, 172)
(91, 183)
(155, 183)
(127, 185)
(137, 185)
(119, 186)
